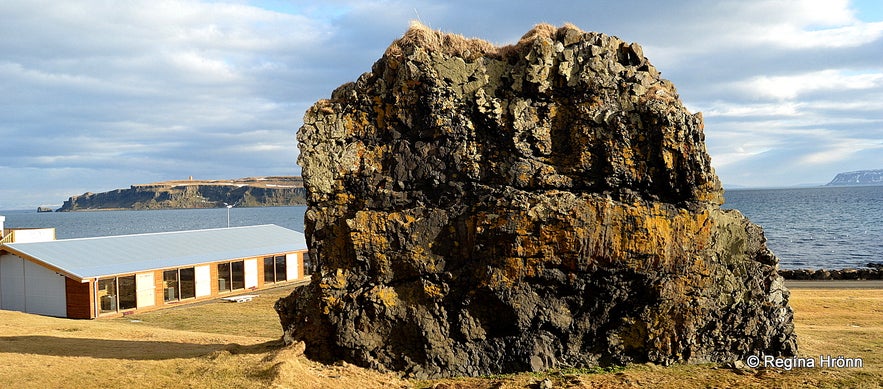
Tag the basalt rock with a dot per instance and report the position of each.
(476, 210)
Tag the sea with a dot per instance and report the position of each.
(85, 224)
(807, 228)
(817, 228)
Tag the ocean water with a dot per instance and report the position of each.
(807, 228)
(104, 223)
(817, 228)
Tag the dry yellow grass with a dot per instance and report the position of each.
(218, 344)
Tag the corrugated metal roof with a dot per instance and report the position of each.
(111, 255)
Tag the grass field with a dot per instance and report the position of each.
(219, 344)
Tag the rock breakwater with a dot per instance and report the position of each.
(871, 271)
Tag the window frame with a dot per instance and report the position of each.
(279, 273)
(114, 295)
(229, 278)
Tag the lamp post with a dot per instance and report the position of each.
(228, 214)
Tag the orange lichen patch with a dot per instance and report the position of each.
(381, 111)
(357, 124)
(386, 295)
(432, 290)
(422, 260)
(368, 231)
(648, 237)
(516, 268)
(339, 280)
(329, 302)
(400, 218)
(371, 156)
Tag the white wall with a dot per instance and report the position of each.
(34, 235)
(291, 267)
(28, 287)
(44, 291)
(251, 273)
(145, 290)
(12, 283)
(203, 281)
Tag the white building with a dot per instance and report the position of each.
(87, 278)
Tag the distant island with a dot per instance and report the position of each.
(177, 194)
(858, 178)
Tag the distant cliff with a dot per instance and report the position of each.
(859, 177)
(245, 192)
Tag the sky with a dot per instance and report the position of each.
(97, 95)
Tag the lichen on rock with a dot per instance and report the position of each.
(478, 210)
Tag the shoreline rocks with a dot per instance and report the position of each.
(871, 271)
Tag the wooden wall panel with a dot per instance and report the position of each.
(79, 299)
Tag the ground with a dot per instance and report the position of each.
(221, 344)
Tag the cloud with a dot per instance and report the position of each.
(143, 87)
(99, 95)
(791, 86)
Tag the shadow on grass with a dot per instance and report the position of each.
(122, 349)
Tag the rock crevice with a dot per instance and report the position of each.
(478, 210)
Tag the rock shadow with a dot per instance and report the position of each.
(137, 350)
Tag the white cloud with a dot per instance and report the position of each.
(736, 110)
(795, 37)
(791, 86)
(194, 65)
(170, 88)
(840, 150)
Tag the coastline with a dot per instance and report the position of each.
(871, 271)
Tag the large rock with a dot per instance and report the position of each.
(476, 210)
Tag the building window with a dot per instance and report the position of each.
(231, 276)
(237, 274)
(308, 264)
(116, 294)
(170, 285)
(281, 269)
(269, 270)
(127, 295)
(224, 278)
(107, 295)
(179, 284)
(187, 282)
(274, 269)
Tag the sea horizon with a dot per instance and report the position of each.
(825, 227)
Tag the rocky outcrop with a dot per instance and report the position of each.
(476, 210)
(860, 177)
(245, 192)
